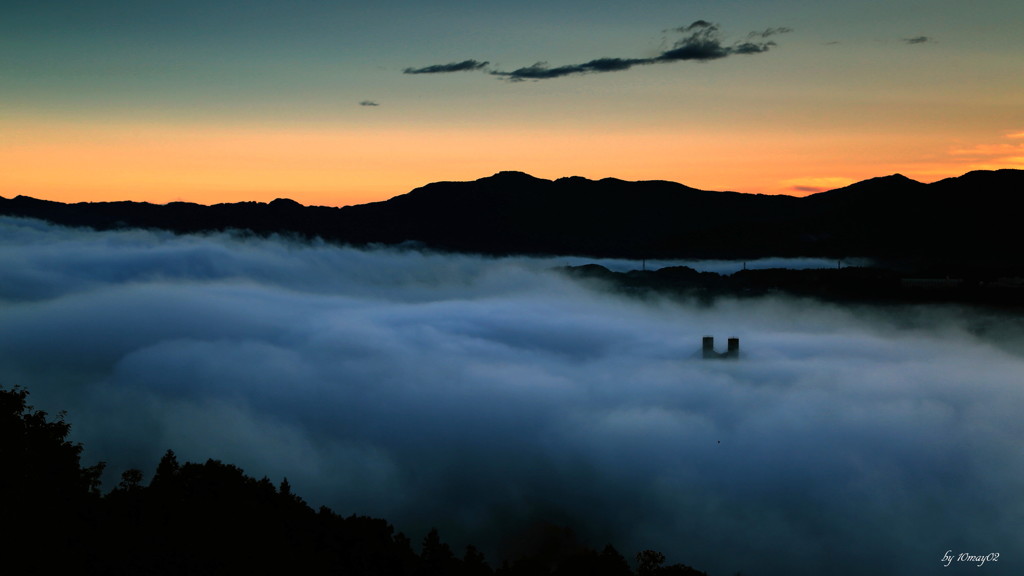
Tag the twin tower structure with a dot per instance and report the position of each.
(731, 353)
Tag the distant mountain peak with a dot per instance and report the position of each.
(511, 176)
(984, 177)
(573, 179)
(999, 172)
(896, 178)
(878, 185)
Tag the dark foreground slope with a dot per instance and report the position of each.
(966, 219)
(212, 518)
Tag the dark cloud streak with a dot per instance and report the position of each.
(541, 71)
(464, 66)
(767, 32)
(701, 42)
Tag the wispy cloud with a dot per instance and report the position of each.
(991, 155)
(918, 40)
(464, 66)
(368, 103)
(769, 32)
(700, 42)
(814, 185)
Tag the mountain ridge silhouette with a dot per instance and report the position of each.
(964, 218)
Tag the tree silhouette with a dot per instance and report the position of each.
(613, 563)
(45, 495)
(648, 562)
(436, 556)
(167, 470)
(474, 563)
(131, 479)
(212, 518)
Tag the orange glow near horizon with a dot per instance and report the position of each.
(336, 166)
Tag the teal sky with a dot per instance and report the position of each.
(929, 88)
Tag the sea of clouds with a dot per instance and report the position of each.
(483, 396)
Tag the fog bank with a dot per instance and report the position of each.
(480, 395)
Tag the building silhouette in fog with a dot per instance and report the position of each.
(731, 353)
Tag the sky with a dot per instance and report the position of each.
(482, 396)
(337, 103)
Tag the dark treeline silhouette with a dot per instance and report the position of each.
(970, 218)
(1000, 288)
(211, 518)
